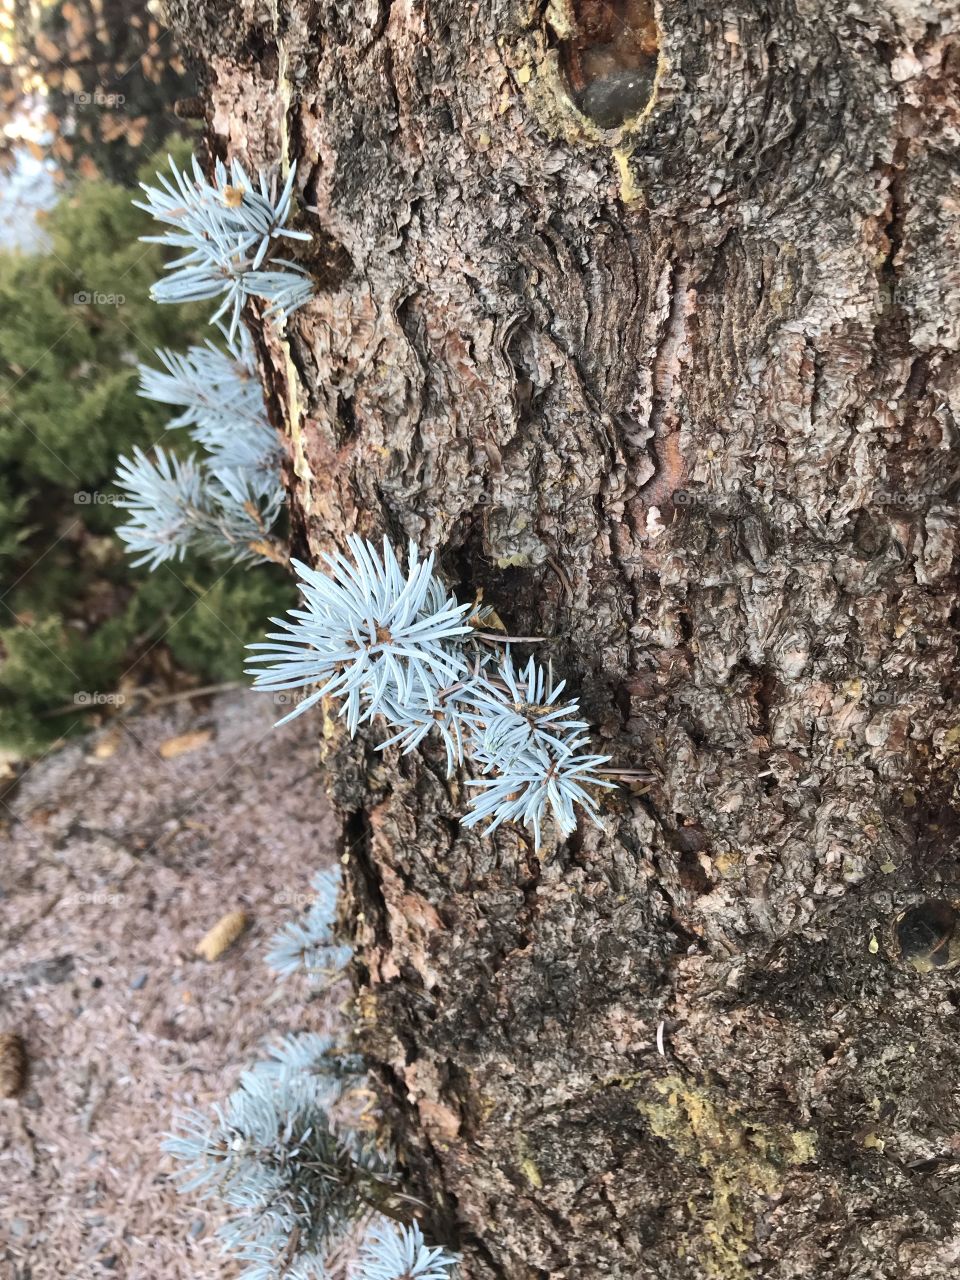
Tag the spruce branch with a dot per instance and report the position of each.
(226, 504)
(399, 1253)
(167, 502)
(308, 946)
(228, 228)
(399, 646)
(526, 783)
(314, 1055)
(446, 712)
(221, 402)
(271, 1155)
(178, 504)
(522, 708)
(369, 634)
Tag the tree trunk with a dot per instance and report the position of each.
(681, 396)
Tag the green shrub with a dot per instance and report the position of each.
(74, 617)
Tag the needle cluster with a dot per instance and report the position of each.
(308, 946)
(229, 229)
(294, 1178)
(292, 1182)
(225, 501)
(395, 644)
(398, 1253)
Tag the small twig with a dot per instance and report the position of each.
(271, 550)
(498, 637)
(151, 699)
(643, 775)
(563, 576)
(186, 694)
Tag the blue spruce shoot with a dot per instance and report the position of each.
(229, 229)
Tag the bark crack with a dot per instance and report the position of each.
(664, 445)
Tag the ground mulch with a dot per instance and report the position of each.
(115, 860)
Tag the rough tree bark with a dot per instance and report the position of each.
(680, 394)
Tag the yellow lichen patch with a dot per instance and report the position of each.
(484, 1107)
(516, 561)
(332, 727)
(561, 19)
(528, 1166)
(729, 862)
(628, 1081)
(367, 1006)
(744, 1161)
(804, 1146)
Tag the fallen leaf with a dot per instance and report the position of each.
(137, 130)
(13, 1064)
(184, 742)
(107, 745)
(46, 47)
(112, 127)
(223, 935)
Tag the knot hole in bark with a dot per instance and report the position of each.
(324, 256)
(327, 260)
(926, 935)
(610, 57)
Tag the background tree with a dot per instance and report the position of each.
(108, 74)
(648, 322)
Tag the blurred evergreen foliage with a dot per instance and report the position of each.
(74, 617)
